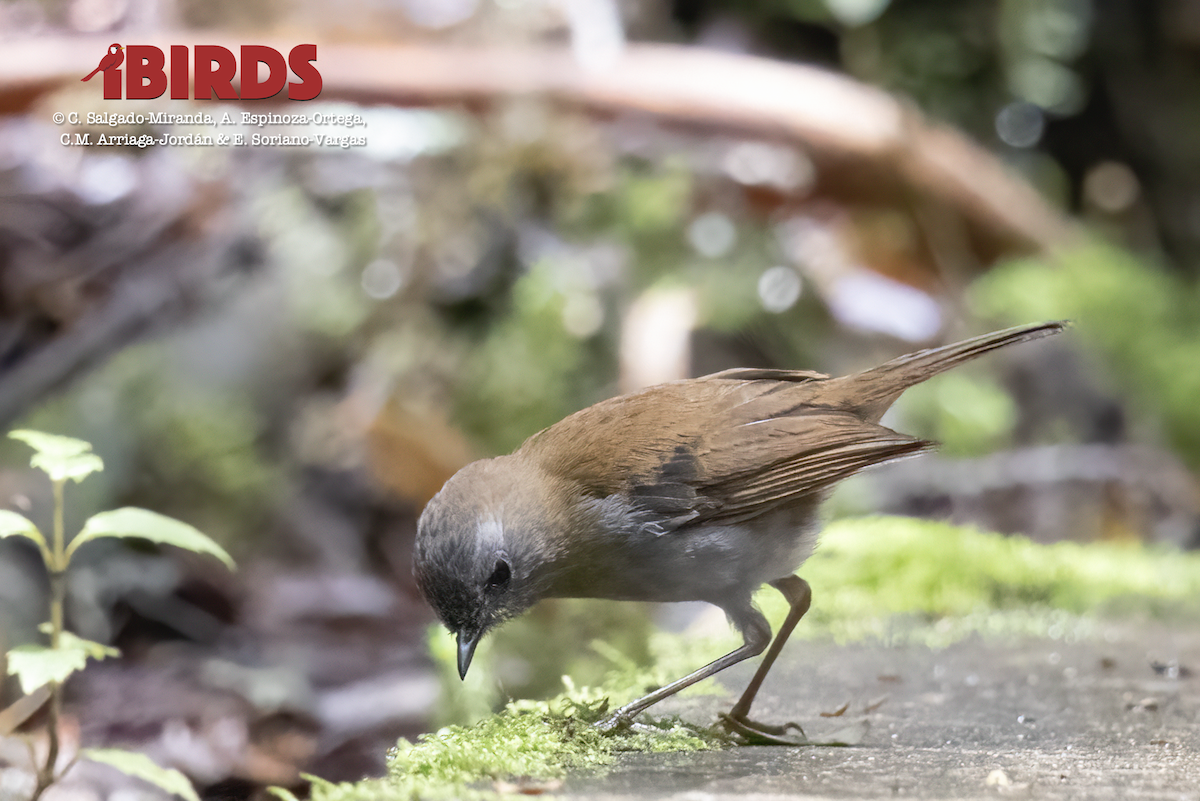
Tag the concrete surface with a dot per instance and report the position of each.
(1115, 717)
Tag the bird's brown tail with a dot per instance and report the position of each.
(874, 390)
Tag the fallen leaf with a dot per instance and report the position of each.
(876, 703)
(837, 713)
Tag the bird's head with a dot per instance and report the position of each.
(114, 48)
(483, 545)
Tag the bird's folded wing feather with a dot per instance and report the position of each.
(804, 455)
(721, 449)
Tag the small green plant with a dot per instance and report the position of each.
(65, 459)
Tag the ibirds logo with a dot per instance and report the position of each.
(207, 71)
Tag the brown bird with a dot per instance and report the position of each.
(695, 490)
(114, 57)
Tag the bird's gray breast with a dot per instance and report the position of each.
(629, 557)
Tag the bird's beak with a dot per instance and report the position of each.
(466, 650)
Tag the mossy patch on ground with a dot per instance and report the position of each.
(903, 579)
(530, 743)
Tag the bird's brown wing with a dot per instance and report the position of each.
(778, 461)
(724, 448)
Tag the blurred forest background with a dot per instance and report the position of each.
(559, 200)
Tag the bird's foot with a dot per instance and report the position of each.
(618, 722)
(756, 733)
(614, 723)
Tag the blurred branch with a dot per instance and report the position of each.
(866, 144)
(21, 710)
(79, 282)
(150, 293)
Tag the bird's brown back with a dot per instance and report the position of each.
(731, 446)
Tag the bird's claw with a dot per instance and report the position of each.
(613, 724)
(618, 723)
(756, 733)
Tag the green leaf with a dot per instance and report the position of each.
(35, 665)
(51, 444)
(15, 525)
(143, 767)
(94, 650)
(61, 458)
(61, 468)
(144, 524)
(282, 793)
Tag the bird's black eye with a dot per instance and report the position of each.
(500, 575)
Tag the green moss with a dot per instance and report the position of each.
(528, 740)
(902, 579)
(593, 640)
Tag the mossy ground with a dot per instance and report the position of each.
(528, 743)
(890, 579)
